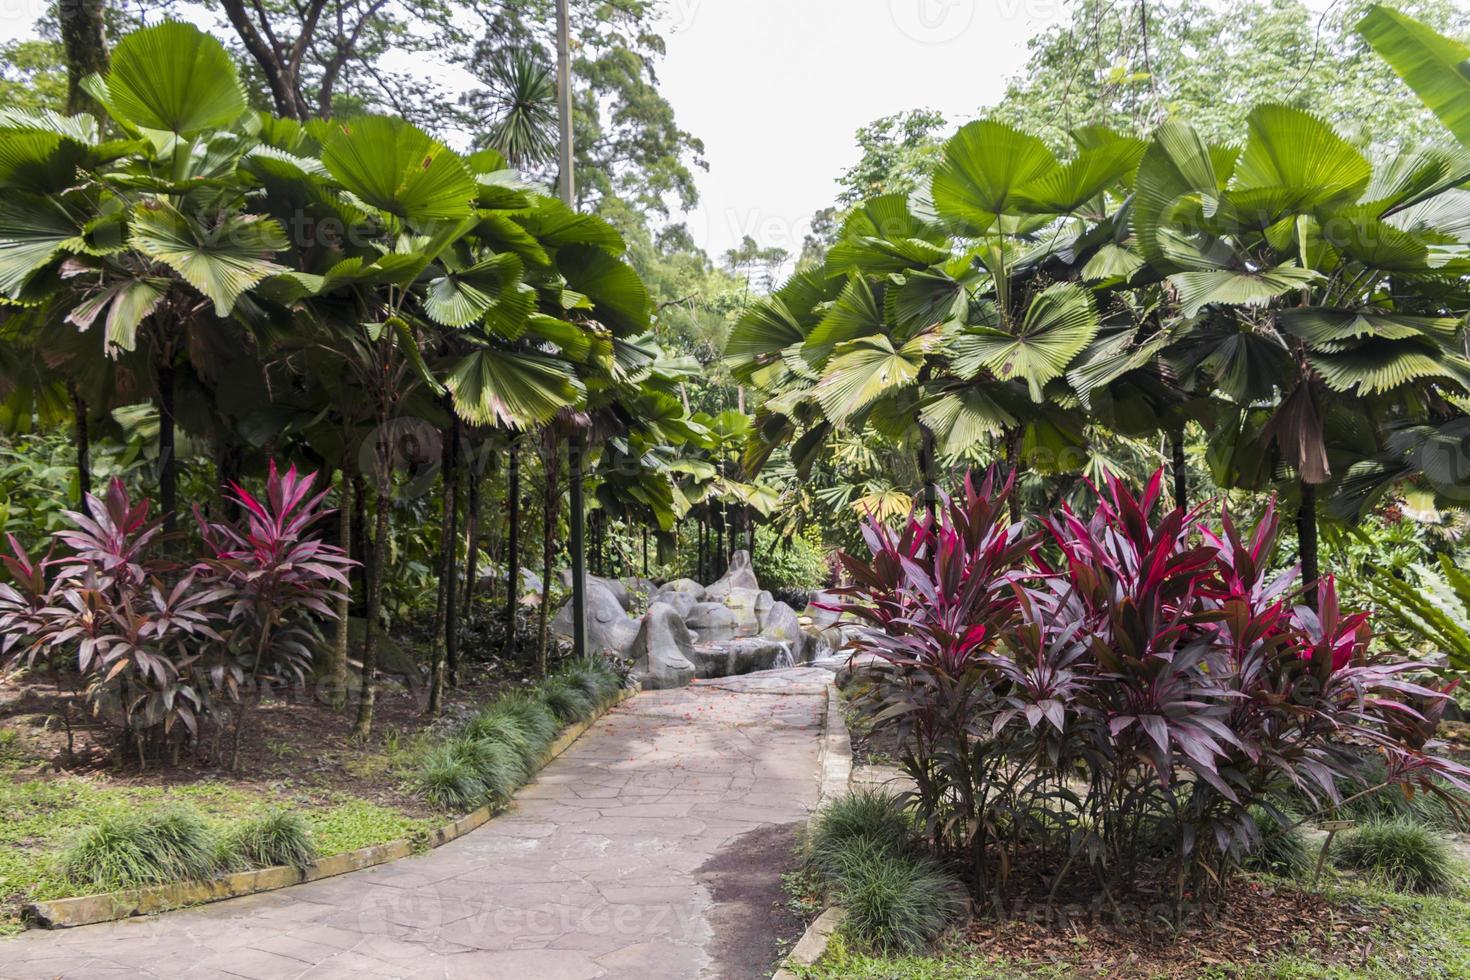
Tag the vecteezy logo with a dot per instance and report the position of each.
(932, 21)
(678, 15)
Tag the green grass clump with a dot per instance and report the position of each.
(126, 851)
(275, 838)
(863, 815)
(596, 679)
(1283, 848)
(495, 764)
(495, 724)
(1400, 854)
(566, 699)
(895, 901)
(864, 848)
(445, 780)
(537, 720)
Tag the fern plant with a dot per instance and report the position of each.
(1435, 608)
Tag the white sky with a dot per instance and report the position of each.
(777, 90)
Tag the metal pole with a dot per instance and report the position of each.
(574, 444)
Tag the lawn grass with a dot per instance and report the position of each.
(40, 816)
(1423, 936)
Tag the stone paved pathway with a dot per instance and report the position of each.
(595, 872)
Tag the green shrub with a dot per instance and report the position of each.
(566, 699)
(127, 851)
(870, 815)
(1401, 854)
(1283, 848)
(445, 780)
(495, 764)
(895, 901)
(790, 563)
(275, 838)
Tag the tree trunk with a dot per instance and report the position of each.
(551, 508)
(926, 471)
(364, 726)
(1306, 538)
(337, 667)
(1181, 477)
(360, 540)
(451, 568)
(513, 545)
(645, 552)
(84, 451)
(1013, 460)
(168, 464)
(472, 545)
(84, 39)
(577, 516)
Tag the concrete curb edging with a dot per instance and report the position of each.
(64, 913)
(836, 769)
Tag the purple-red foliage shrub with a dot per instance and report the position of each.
(1115, 692)
(153, 644)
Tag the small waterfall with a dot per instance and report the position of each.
(785, 658)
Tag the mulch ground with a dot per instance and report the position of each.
(295, 738)
(1256, 923)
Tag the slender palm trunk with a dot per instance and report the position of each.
(472, 544)
(451, 568)
(575, 543)
(83, 439)
(551, 513)
(168, 464)
(926, 469)
(364, 725)
(1181, 476)
(337, 667)
(1306, 537)
(513, 545)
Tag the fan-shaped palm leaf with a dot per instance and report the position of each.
(391, 164)
(511, 388)
(461, 297)
(1234, 287)
(984, 164)
(1058, 325)
(174, 77)
(863, 370)
(221, 262)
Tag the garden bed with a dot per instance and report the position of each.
(296, 754)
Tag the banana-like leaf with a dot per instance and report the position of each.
(1234, 287)
(175, 78)
(863, 370)
(1059, 324)
(619, 298)
(1435, 67)
(983, 167)
(512, 388)
(461, 297)
(391, 164)
(222, 262)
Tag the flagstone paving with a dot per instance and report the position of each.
(595, 871)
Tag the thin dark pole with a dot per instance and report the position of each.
(513, 544)
(1181, 477)
(1306, 537)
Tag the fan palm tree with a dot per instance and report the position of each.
(1310, 291)
(152, 239)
